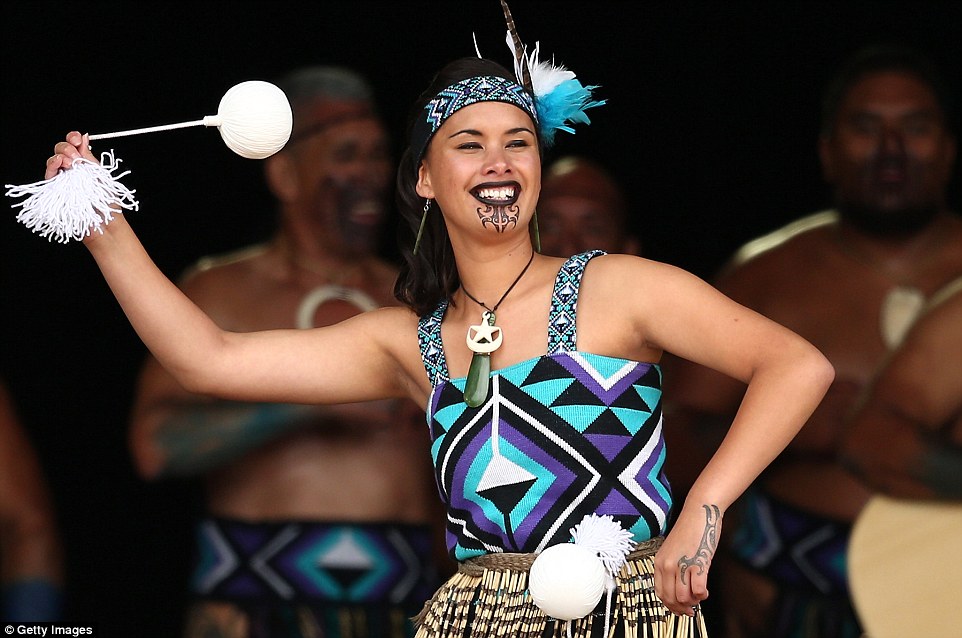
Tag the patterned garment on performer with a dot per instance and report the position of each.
(364, 564)
(791, 546)
(805, 556)
(559, 436)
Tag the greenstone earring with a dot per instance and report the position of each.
(535, 232)
(424, 220)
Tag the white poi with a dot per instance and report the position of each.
(567, 580)
(254, 119)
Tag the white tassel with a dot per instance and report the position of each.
(611, 543)
(567, 580)
(606, 538)
(74, 202)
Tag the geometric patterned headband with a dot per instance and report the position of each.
(548, 92)
(486, 88)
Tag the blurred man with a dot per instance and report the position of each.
(850, 280)
(318, 516)
(915, 407)
(31, 569)
(582, 208)
(917, 472)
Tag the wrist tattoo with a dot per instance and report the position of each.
(707, 547)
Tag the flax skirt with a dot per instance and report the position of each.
(488, 598)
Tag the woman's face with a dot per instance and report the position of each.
(483, 168)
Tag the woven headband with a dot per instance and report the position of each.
(485, 88)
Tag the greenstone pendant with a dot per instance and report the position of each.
(482, 339)
(479, 375)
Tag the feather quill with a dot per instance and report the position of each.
(560, 99)
(521, 70)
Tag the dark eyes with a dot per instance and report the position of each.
(468, 146)
(916, 125)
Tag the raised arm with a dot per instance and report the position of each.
(370, 356)
(177, 433)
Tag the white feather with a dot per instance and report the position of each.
(545, 76)
(517, 56)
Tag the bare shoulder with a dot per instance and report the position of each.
(790, 238)
(938, 329)
(637, 286)
(228, 268)
(804, 247)
(393, 328)
(395, 331)
(397, 318)
(921, 378)
(620, 274)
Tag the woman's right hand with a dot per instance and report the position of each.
(64, 153)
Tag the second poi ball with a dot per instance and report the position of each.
(254, 119)
(567, 581)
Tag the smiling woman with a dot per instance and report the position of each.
(496, 144)
(544, 426)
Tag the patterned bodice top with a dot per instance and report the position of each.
(559, 436)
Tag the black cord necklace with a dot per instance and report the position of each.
(482, 340)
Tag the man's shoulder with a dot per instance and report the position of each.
(786, 241)
(226, 264)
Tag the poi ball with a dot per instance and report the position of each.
(254, 119)
(567, 581)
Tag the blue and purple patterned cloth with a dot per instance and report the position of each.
(559, 436)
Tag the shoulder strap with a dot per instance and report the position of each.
(432, 350)
(562, 324)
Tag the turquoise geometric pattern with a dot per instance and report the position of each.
(564, 303)
(312, 561)
(485, 88)
(559, 436)
(802, 550)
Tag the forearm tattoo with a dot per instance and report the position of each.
(199, 438)
(499, 216)
(707, 547)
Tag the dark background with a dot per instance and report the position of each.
(711, 127)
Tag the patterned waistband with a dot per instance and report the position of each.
(791, 546)
(313, 562)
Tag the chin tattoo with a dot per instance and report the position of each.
(500, 216)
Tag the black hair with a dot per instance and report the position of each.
(878, 59)
(431, 275)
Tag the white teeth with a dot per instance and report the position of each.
(363, 210)
(504, 192)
